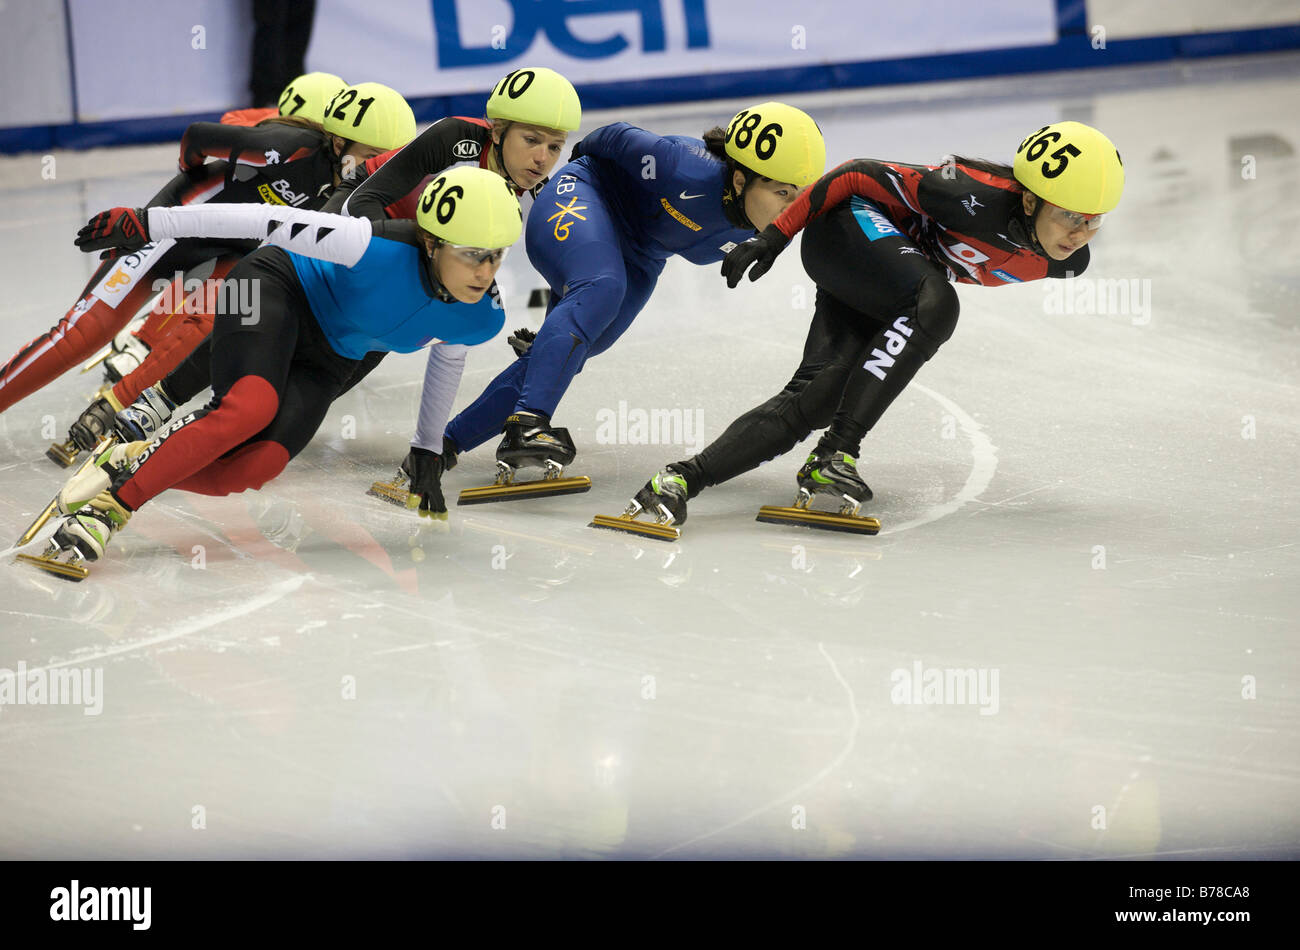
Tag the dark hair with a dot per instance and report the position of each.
(715, 140)
(984, 165)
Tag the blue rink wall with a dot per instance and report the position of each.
(89, 73)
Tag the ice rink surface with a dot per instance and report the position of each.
(1095, 511)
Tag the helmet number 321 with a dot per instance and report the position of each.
(1038, 143)
(343, 100)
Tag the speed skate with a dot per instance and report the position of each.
(802, 513)
(530, 442)
(627, 522)
(505, 488)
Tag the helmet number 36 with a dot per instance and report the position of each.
(446, 203)
(742, 130)
(1038, 143)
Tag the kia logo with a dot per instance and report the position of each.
(466, 148)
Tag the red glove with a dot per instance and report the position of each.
(117, 227)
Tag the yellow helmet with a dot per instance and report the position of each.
(1073, 166)
(537, 96)
(308, 95)
(472, 207)
(372, 114)
(779, 142)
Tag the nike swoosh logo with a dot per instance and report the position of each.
(685, 197)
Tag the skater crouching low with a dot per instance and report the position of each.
(332, 289)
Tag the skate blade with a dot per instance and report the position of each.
(540, 488)
(392, 493)
(96, 360)
(646, 529)
(38, 524)
(63, 453)
(73, 572)
(826, 520)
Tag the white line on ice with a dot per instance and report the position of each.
(985, 457)
(193, 625)
(836, 763)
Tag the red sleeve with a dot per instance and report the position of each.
(860, 176)
(247, 117)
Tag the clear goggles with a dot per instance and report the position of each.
(1073, 220)
(474, 256)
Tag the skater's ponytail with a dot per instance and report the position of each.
(983, 165)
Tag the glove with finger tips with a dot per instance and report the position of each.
(117, 227)
(521, 340)
(424, 470)
(760, 251)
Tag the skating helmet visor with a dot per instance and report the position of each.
(1073, 220)
(474, 256)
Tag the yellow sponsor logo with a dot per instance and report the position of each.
(119, 278)
(561, 225)
(678, 215)
(269, 196)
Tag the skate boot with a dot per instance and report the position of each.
(92, 515)
(834, 474)
(141, 420)
(530, 442)
(827, 473)
(91, 427)
(663, 498)
(96, 479)
(128, 352)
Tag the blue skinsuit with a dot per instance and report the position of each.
(600, 233)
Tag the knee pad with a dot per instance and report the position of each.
(937, 308)
(587, 309)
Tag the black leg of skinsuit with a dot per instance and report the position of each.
(864, 288)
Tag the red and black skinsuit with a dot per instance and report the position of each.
(273, 163)
(882, 241)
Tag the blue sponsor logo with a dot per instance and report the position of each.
(552, 17)
(1009, 278)
(873, 222)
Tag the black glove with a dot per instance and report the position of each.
(576, 151)
(761, 251)
(117, 227)
(521, 340)
(424, 470)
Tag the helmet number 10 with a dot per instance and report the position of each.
(1038, 144)
(742, 130)
(516, 83)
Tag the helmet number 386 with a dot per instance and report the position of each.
(742, 130)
